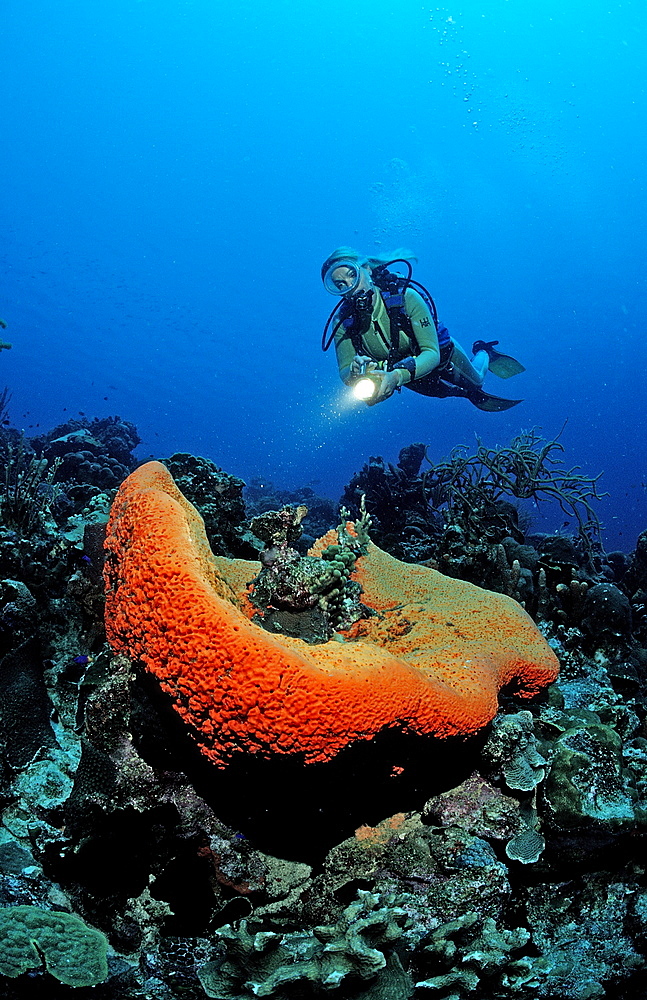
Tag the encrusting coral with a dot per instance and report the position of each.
(73, 953)
(431, 662)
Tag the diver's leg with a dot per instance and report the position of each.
(474, 371)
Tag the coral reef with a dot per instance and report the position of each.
(261, 495)
(402, 521)
(502, 865)
(473, 485)
(265, 963)
(218, 497)
(465, 517)
(53, 485)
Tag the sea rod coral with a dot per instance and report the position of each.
(430, 662)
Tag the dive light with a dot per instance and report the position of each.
(367, 382)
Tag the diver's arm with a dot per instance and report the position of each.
(424, 330)
(345, 357)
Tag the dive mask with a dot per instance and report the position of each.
(342, 277)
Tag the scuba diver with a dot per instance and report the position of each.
(387, 335)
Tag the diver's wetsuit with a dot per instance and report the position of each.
(376, 344)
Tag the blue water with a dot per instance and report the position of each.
(173, 172)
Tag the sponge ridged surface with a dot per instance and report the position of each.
(432, 662)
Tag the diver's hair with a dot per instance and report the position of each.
(366, 260)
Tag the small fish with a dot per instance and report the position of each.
(86, 559)
(81, 659)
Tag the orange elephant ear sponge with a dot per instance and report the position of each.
(430, 662)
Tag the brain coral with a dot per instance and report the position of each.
(431, 662)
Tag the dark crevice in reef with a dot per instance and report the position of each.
(294, 811)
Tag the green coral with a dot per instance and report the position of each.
(511, 750)
(473, 956)
(588, 783)
(73, 953)
(511, 754)
(46, 783)
(471, 949)
(262, 963)
(340, 563)
(527, 846)
(341, 601)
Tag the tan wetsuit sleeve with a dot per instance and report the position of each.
(425, 333)
(345, 354)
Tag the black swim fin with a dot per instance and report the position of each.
(502, 365)
(492, 404)
(430, 386)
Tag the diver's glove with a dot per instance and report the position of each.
(359, 365)
(389, 382)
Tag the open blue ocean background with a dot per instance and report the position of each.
(173, 172)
